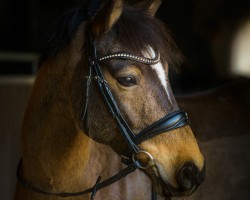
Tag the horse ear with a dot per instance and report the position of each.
(106, 17)
(151, 6)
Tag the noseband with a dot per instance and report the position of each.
(169, 122)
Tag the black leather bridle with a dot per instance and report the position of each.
(169, 122)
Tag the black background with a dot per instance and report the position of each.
(203, 30)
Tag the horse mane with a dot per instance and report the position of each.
(135, 30)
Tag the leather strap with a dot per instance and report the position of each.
(171, 121)
(96, 73)
(85, 114)
(99, 185)
(110, 101)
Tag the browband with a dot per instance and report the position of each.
(128, 56)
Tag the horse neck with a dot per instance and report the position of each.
(59, 157)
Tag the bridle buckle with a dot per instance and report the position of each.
(150, 161)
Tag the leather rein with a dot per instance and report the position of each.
(169, 122)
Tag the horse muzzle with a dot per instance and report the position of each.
(186, 181)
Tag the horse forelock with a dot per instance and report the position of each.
(135, 30)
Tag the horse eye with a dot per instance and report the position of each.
(127, 81)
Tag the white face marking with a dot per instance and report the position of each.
(160, 71)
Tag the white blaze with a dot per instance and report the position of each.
(160, 71)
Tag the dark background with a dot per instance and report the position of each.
(203, 30)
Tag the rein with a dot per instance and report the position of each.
(98, 185)
(169, 122)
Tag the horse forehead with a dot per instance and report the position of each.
(158, 67)
(161, 73)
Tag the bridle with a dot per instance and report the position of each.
(169, 122)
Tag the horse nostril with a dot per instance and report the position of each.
(187, 176)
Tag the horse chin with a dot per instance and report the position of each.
(167, 190)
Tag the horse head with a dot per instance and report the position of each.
(134, 52)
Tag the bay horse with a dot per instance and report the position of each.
(102, 96)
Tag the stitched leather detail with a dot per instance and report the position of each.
(171, 121)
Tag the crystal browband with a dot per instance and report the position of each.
(128, 56)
